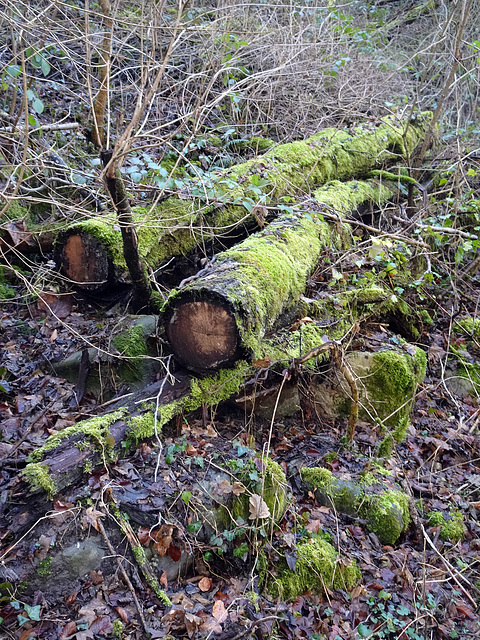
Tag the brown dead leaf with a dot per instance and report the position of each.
(163, 538)
(91, 518)
(144, 537)
(262, 364)
(313, 526)
(219, 612)
(238, 488)
(96, 577)
(174, 552)
(224, 487)
(205, 584)
(55, 305)
(101, 626)
(164, 580)
(258, 507)
(68, 630)
(123, 614)
(211, 626)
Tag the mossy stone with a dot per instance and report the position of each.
(385, 511)
(451, 523)
(317, 569)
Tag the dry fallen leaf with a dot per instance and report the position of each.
(163, 538)
(238, 488)
(219, 612)
(205, 584)
(92, 517)
(258, 507)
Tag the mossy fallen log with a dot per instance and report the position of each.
(90, 251)
(227, 312)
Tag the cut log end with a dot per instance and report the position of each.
(203, 335)
(85, 262)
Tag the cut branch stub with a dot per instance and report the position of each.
(203, 334)
(85, 262)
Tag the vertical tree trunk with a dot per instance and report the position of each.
(141, 286)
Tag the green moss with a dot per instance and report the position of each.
(207, 391)
(275, 489)
(38, 477)
(271, 486)
(386, 513)
(95, 430)
(394, 177)
(211, 390)
(131, 344)
(342, 495)
(331, 456)
(471, 326)
(392, 382)
(143, 426)
(16, 211)
(385, 448)
(451, 523)
(400, 432)
(298, 167)
(142, 562)
(117, 628)
(6, 292)
(317, 569)
(44, 568)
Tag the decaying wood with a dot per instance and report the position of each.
(66, 463)
(86, 263)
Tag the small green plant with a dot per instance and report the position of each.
(387, 620)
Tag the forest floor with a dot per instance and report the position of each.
(421, 588)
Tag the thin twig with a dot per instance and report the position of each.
(128, 582)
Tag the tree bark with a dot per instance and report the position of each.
(142, 289)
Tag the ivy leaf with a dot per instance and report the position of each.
(22, 619)
(45, 67)
(33, 612)
(363, 630)
(13, 70)
(38, 106)
(186, 496)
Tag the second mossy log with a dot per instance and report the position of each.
(90, 250)
(226, 313)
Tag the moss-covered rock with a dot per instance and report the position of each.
(131, 359)
(272, 486)
(318, 567)
(386, 511)
(451, 523)
(387, 381)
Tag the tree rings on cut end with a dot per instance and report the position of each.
(203, 335)
(85, 262)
